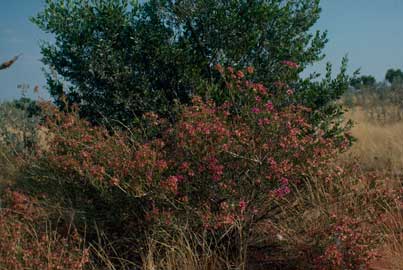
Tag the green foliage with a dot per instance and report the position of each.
(29, 106)
(320, 94)
(119, 59)
(383, 101)
(363, 81)
(394, 76)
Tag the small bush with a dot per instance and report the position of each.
(331, 224)
(28, 241)
(18, 135)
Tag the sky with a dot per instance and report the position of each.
(370, 32)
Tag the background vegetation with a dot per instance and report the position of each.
(182, 136)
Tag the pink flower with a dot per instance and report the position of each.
(290, 64)
(240, 74)
(162, 165)
(216, 169)
(269, 106)
(219, 68)
(85, 154)
(250, 70)
(279, 84)
(114, 181)
(284, 189)
(184, 166)
(228, 219)
(216, 178)
(256, 110)
(281, 192)
(260, 88)
(242, 205)
(264, 121)
(272, 162)
(230, 70)
(171, 184)
(290, 92)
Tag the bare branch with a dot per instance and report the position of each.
(9, 63)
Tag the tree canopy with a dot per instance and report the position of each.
(119, 59)
(394, 75)
(363, 81)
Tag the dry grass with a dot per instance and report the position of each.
(379, 144)
(379, 147)
(9, 156)
(185, 251)
(392, 251)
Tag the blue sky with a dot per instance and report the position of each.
(369, 31)
(19, 35)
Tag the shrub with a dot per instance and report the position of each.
(217, 168)
(332, 223)
(28, 241)
(18, 124)
(18, 134)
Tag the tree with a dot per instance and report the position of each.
(368, 81)
(394, 75)
(120, 58)
(363, 81)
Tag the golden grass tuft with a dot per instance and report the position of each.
(182, 253)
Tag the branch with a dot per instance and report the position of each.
(9, 63)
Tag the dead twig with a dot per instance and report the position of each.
(9, 63)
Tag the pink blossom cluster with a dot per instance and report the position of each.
(290, 64)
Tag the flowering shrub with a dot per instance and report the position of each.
(222, 168)
(332, 225)
(352, 247)
(28, 243)
(356, 221)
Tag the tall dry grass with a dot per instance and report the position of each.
(183, 250)
(379, 144)
(379, 147)
(393, 249)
